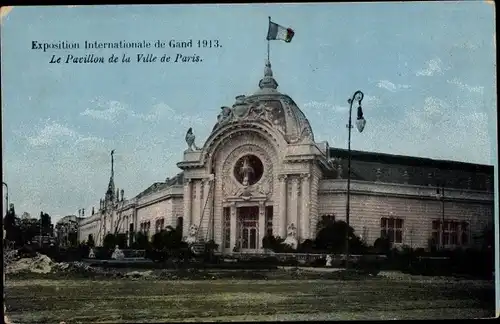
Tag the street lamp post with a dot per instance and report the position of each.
(6, 197)
(6, 210)
(360, 125)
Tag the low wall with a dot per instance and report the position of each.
(305, 257)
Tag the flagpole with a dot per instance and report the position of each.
(268, 41)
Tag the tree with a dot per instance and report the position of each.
(11, 225)
(168, 238)
(29, 228)
(332, 237)
(67, 233)
(141, 241)
(109, 242)
(46, 224)
(73, 239)
(121, 240)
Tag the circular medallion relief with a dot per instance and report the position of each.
(248, 170)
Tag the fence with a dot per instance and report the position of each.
(304, 258)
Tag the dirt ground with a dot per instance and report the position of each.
(79, 300)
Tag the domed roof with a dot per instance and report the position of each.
(269, 106)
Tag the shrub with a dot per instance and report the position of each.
(368, 265)
(382, 245)
(264, 260)
(109, 241)
(306, 247)
(103, 253)
(273, 243)
(332, 238)
(320, 262)
(121, 240)
(290, 261)
(141, 242)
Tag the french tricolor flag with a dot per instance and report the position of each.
(278, 32)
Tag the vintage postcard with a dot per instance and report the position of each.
(251, 162)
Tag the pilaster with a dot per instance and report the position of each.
(304, 230)
(262, 224)
(294, 203)
(233, 226)
(187, 206)
(282, 205)
(198, 202)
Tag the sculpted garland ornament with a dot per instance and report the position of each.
(248, 110)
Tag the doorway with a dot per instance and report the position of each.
(248, 228)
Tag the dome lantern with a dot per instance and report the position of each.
(268, 83)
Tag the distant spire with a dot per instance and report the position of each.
(112, 164)
(110, 194)
(268, 82)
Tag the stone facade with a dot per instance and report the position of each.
(260, 171)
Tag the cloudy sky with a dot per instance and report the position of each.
(427, 71)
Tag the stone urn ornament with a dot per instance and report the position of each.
(91, 253)
(117, 254)
(329, 260)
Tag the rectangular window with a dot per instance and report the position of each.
(244, 244)
(227, 227)
(253, 238)
(392, 228)
(453, 233)
(464, 233)
(446, 233)
(269, 220)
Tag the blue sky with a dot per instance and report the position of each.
(427, 71)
